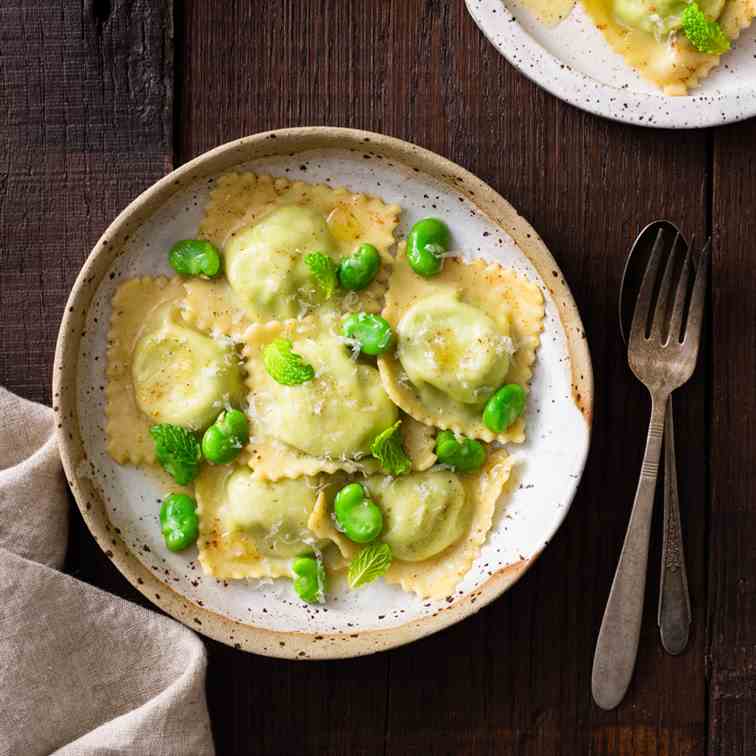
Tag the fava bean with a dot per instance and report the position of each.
(504, 407)
(427, 242)
(226, 437)
(360, 268)
(310, 580)
(179, 523)
(463, 454)
(372, 332)
(357, 516)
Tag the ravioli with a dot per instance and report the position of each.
(322, 425)
(264, 226)
(251, 528)
(646, 35)
(453, 347)
(461, 335)
(160, 370)
(265, 263)
(423, 514)
(181, 376)
(436, 523)
(438, 576)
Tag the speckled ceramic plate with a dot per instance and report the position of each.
(120, 504)
(574, 62)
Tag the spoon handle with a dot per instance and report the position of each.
(674, 599)
(617, 644)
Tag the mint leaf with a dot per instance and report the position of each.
(324, 271)
(178, 451)
(388, 450)
(284, 366)
(706, 36)
(371, 563)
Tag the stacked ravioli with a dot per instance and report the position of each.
(183, 350)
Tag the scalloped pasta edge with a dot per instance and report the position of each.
(241, 199)
(271, 459)
(638, 48)
(209, 307)
(501, 284)
(231, 556)
(126, 427)
(437, 578)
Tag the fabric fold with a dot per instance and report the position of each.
(82, 672)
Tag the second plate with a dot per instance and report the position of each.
(575, 64)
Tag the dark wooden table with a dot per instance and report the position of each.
(100, 98)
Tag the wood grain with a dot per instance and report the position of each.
(86, 95)
(731, 651)
(87, 104)
(92, 114)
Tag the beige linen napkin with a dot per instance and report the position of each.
(81, 671)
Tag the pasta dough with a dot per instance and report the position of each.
(323, 425)
(437, 577)
(265, 263)
(461, 334)
(334, 219)
(642, 38)
(160, 370)
(423, 513)
(253, 528)
(181, 376)
(454, 347)
(460, 538)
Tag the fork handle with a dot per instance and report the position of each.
(674, 598)
(617, 645)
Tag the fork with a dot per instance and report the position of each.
(662, 353)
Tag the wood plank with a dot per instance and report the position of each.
(86, 127)
(731, 636)
(86, 94)
(515, 678)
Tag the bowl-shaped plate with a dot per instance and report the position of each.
(120, 504)
(575, 63)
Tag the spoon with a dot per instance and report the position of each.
(674, 613)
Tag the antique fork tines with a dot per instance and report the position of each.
(662, 353)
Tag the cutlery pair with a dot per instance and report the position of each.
(663, 346)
